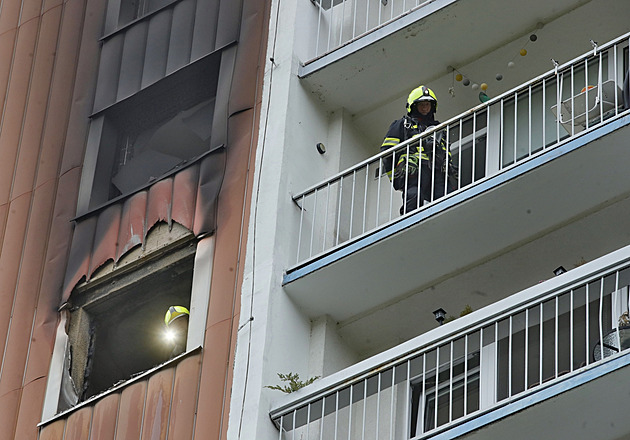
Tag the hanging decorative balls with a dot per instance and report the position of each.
(459, 77)
(466, 82)
(533, 37)
(484, 86)
(475, 86)
(523, 52)
(499, 77)
(511, 64)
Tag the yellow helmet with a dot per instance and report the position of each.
(175, 312)
(422, 93)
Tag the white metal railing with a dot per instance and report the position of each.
(560, 327)
(526, 121)
(342, 21)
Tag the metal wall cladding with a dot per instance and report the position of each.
(141, 53)
(152, 407)
(184, 197)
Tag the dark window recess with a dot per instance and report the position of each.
(116, 328)
(156, 130)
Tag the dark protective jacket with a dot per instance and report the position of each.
(406, 128)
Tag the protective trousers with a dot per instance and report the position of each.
(428, 180)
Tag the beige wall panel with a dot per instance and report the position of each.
(130, 411)
(27, 288)
(7, 42)
(82, 96)
(159, 203)
(10, 265)
(10, 15)
(132, 60)
(109, 72)
(61, 91)
(184, 404)
(105, 237)
(11, 128)
(78, 424)
(157, 47)
(205, 31)
(8, 416)
(3, 220)
(52, 277)
(181, 35)
(155, 421)
(54, 431)
(30, 409)
(49, 4)
(213, 394)
(131, 231)
(37, 103)
(30, 10)
(104, 418)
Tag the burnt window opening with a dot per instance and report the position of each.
(116, 327)
(155, 131)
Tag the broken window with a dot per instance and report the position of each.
(116, 323)
(155, 131)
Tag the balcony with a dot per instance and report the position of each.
(544, 353)
(539, 165)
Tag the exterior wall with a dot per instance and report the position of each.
(49, 62)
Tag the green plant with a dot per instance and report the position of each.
(294, 383)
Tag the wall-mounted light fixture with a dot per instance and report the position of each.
(439, 315)
(321, 148)
(559, 270)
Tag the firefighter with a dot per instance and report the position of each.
(412, 172)
(176, 321)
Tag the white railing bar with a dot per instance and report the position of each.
(571, 319)
(572, 98)
(297, 257)
(408, 400)
(437, 386)
(365, 198)
(450, 386)
(529, 121)
(556, 347)
(354, 181)
(336, 413)
(510, 349)
(308, 421)
(515, 124)
(540, 342)
(526, 357)
(600, 317)
(466, 373)
(326, 218)
(339, 211)
(391, 407)
(350, 411)
(587, 338)
(586, 89)
(616, 319)
(423, 393)
(310, 251)
(544, 120)
(378, 401)
(364, 408)
(321, 425)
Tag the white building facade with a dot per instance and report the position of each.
(339, 285)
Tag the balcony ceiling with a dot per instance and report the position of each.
(550, 214)
(374, 73)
